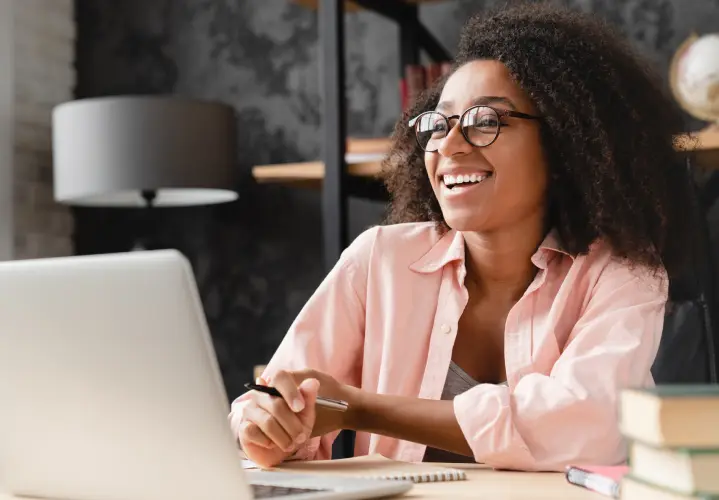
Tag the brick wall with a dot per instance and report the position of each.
(39, 59)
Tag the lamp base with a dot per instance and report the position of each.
(149, 196)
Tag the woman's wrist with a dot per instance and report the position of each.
(356, 413)
(425, 421)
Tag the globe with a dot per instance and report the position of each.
(694, 76)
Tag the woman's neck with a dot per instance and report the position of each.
(499, 262)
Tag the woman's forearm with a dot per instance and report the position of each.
(424, 421)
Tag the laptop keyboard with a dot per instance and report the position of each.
(269, 491)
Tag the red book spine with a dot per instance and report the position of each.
(403, 94)
(434, 73)
(416, 81)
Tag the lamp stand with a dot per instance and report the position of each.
(141, 243)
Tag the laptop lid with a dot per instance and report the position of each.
(109, 383)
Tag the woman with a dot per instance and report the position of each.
(522, 283)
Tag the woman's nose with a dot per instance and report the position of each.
(454, 143)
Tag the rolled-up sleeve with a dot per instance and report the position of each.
(327, 335)
(544, 422)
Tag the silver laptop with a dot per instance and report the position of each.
(110, 389)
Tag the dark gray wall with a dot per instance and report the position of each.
(258, 260)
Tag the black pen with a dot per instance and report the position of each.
(332, 404)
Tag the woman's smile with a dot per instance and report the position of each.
(461, 186)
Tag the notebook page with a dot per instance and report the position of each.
(375, 466)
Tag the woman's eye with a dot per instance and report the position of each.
(486, 122)
(438, 128)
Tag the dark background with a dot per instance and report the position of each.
(258, 260)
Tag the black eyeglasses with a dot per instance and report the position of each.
(479, 125)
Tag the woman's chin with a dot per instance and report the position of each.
(467, 222)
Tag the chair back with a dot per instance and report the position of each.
(688, 349)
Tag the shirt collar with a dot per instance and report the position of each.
(450, 248)
(550, 247)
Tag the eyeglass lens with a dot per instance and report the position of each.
(480, 126)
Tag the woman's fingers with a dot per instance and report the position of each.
(250, 433)
(285, 383)
(289, 420)
(269, 426)
(309, 389)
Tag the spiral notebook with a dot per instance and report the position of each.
(376, 467)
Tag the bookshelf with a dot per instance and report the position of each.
(362, 159)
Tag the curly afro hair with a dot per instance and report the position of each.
(608, 130)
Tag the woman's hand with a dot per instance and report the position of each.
(272, 428)
(328, 420)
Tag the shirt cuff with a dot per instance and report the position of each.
(485, 415)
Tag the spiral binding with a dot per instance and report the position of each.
(445, 475)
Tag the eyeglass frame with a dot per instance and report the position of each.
(500, 114)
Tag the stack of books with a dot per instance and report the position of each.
(673, 438)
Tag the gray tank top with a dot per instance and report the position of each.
(457, 382)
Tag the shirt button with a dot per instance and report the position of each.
(446, 328)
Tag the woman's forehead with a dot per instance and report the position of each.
(477, 81)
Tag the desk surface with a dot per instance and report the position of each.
(499, 485)
(483, 483)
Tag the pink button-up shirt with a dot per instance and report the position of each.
(385, 320)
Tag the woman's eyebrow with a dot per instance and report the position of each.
(486, 100)
(444, 105)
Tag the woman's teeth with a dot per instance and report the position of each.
(452, 180)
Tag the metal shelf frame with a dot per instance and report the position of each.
(337, 185)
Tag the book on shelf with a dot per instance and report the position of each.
(365, 150)
(418, 77)
(415, 76)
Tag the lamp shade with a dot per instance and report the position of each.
(117, 151)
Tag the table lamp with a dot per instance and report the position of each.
(143, 151)
(134, 151)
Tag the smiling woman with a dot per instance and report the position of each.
(521, 281)
(510, 176)
(606, 126)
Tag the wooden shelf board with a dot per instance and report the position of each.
(313, 171)
(704, 144)
(349, 5)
